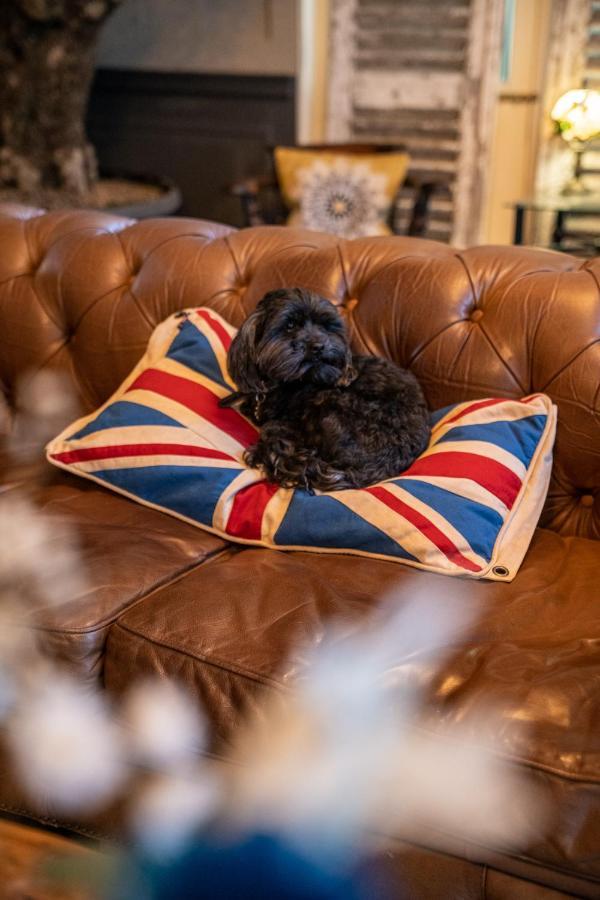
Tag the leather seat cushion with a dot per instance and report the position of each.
(127, 551)
(227, 630)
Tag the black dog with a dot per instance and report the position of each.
(328, 420)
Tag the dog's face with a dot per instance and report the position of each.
(292, 336)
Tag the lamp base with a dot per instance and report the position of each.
(575, 185)
(575, 188)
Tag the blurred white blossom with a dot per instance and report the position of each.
(39, 557)
(341, 754)
(65, 745)
(8, 690)
(45, 404)
(171, 808)
(163, 727)
(457, 788)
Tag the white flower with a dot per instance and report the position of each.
(38, 554)
(339, 755)
(163, 726)
(45, 404)
(344, 198)
(65, 746)
(168, 811)
(8, 691)
(458, 788)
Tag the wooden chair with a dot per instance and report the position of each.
(262, 203)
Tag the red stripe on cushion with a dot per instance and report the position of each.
(122, 450)
(245, 518)
(200, 400)
(216, 326)
(431, 531)
(481, 404)
(495, 477)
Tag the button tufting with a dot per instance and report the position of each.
(349, 304)
(476, 315)
(587, 500)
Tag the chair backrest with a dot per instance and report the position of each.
(358, 149)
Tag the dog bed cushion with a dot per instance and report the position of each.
(467, 506)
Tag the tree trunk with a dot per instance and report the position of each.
(46, 68)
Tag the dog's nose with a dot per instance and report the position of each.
(316, 349)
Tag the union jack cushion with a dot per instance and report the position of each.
(467, 506)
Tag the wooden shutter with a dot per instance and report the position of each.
(421, 73)
(591, 79)
(591, 73)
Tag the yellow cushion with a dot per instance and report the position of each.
(348, 194)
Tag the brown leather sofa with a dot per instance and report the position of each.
(82, 291)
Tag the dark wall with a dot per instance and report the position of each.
(203, 131)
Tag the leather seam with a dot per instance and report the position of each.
(499, 357)
(476, 301)
(482, 387)
(474, 295)
(214, 663)
(233, 259)
(523, 858)
(14, 278)
(570, 362)
(400, 259)
(158, 586)
(342, 268)
(483, 885)
(420, 350)
(586, 268)
(94, 228)
(535, 765)
(97, 300)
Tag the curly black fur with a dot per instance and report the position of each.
(328, 420)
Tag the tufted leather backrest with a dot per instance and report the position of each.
(81, 292)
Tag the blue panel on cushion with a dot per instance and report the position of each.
(193, 350)
(438, 414)
(481, 523)
(125, 414)
(322, 521)
(191, 491)
(519, 437)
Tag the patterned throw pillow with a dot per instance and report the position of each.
(348, 194)
(467, 506)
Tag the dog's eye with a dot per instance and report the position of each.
(290, 326)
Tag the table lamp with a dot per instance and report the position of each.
(577, 117)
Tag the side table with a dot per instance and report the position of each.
(579, 205)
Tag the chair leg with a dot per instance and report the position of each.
(251, 209)
(420, 213)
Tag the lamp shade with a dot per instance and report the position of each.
(577, 114)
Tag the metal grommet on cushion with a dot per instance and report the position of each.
(500, 571)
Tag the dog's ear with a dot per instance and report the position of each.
(241, 359)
